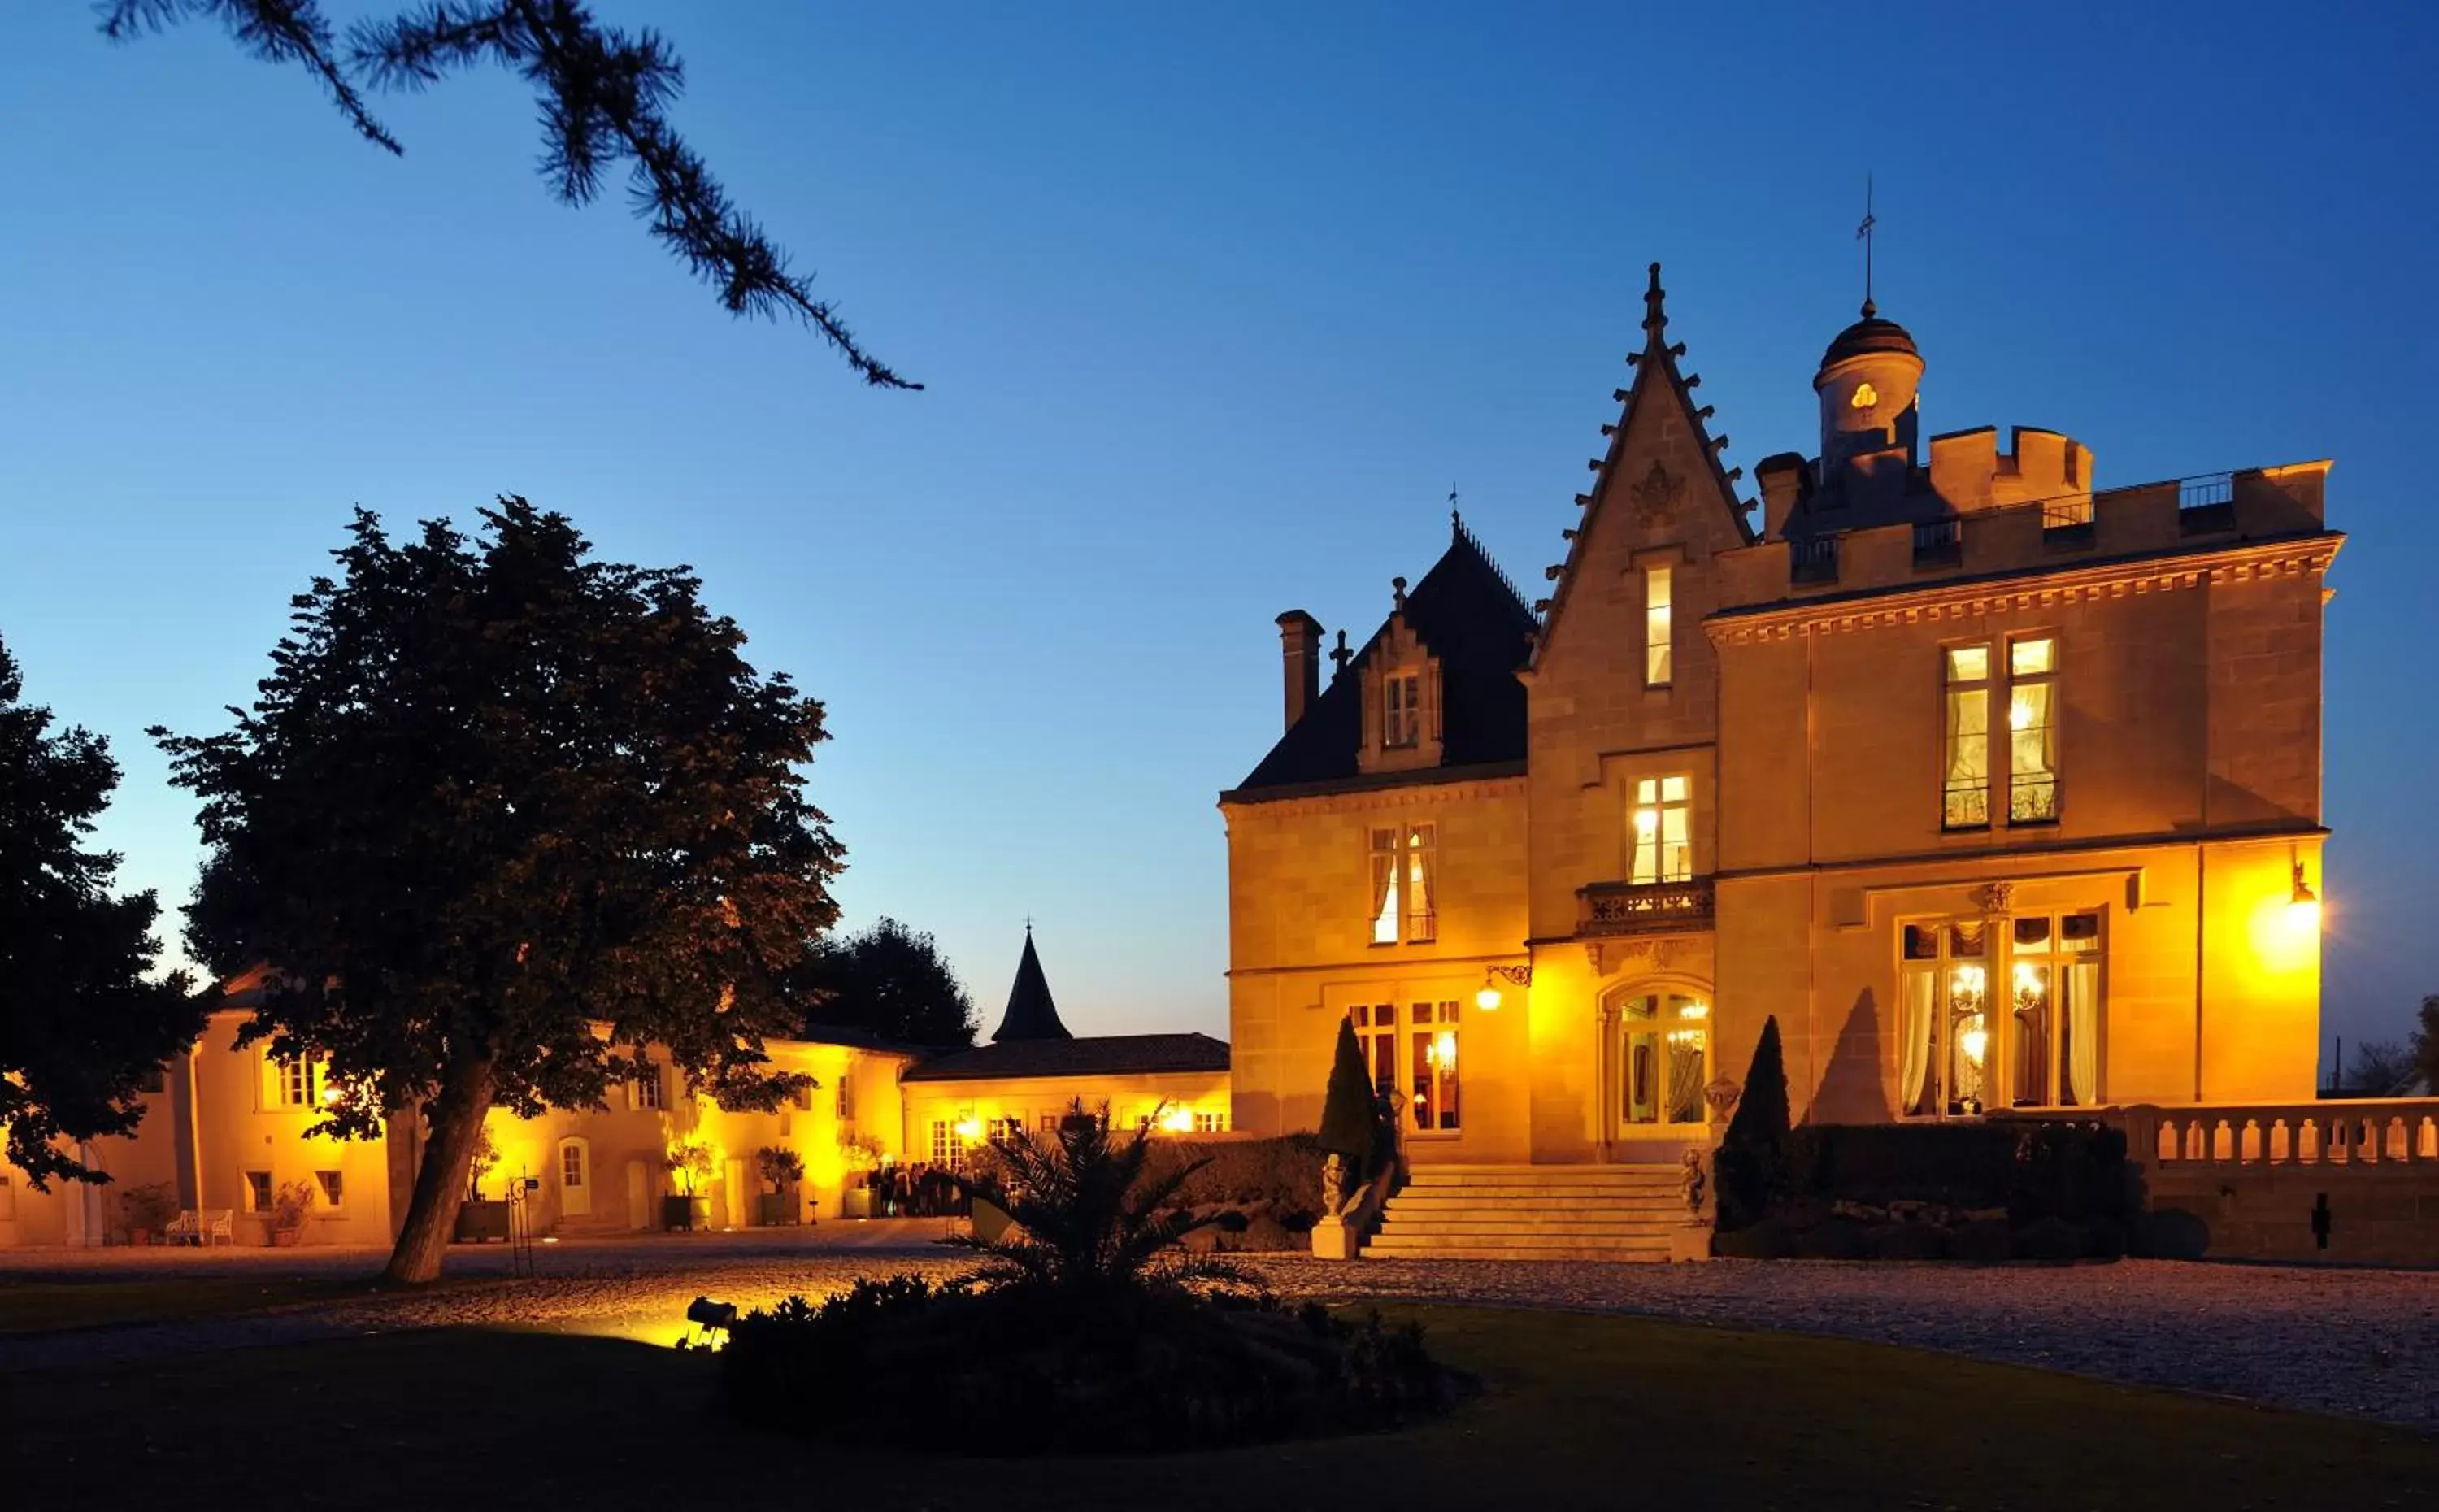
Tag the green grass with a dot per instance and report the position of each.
(1577, 1411)
(42, 1307)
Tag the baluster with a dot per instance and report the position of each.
(2308, 1148)
(2248, 1144)
(2282, 1141)
(2222, 1141)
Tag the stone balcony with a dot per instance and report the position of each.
(1644, 908)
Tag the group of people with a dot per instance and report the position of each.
(917, 1190)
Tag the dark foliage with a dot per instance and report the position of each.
(1750, 1165)
(1034, 1371)
(2382, 1068)
(602, 95)
(82, 1029)
(1347, 1111)
(891, 980)
(494, 797)
(1280, 1176)
(2425, 1042)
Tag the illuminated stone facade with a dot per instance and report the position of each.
(1995, 790)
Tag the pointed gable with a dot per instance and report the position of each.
(1030, 1013)
(1660, 478)
(1477, 631)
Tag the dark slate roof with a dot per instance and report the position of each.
(1107, 1054)
(1030, 1013)
(1479, 627)
(854, 1037)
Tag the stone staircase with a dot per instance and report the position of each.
(1533, 1213)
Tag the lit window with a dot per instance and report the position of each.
(571, 1165)
(1050, 1123)
(1943, 997)
(1401, 711)
(1965, 801)
(2032, 732)
(335, 1186)
(948, 1146)
(1414, 1059)
(1663, 849)
(257, 1191)
(2053, 1044)
(1404, 883)
(293, 1083)
(646, 1092)
(1659, 643)
(1210, 1123)
(845, 1105)
(1667, 1047)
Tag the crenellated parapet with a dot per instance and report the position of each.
(1969, 473)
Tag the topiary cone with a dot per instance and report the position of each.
(1347, 1113)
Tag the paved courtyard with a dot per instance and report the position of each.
(2359, 1343)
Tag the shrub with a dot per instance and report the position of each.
(1750, 1166)
(1765, 1238)
(153, 1206)
(1350, 1110)
(778, 1166)
(1034, 1371)
(1281, 1176)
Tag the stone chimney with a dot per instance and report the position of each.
(1300, 647)
(1786, 479)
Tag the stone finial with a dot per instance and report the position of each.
(1398, 592)
(1339, 657)
(1655, 318)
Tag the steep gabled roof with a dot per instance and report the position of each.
(1470, 617)
(1100, 1055)
(1656, 379)
(1031, 1014)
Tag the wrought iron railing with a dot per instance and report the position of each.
(1814, 561)
(1939, 543)
(1644, 908)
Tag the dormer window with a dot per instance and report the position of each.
(1401, 711)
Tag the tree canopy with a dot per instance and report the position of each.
(602, 95)
(891, 980)
(501, 815)
(82, 1025)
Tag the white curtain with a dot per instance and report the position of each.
(1418, 883)
(2083, 1032)
(1914, 1046)
(1384, 906)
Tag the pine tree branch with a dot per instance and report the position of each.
(601, 94)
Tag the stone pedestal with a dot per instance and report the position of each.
(1334, 1238)
(1690, 1243)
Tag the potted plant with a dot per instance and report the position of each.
(863, 1153)
(149, 1210)
(480, 1218)
(782, 1169)
(690, 1163)
(290, 1206)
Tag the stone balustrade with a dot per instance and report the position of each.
(2347, 1131)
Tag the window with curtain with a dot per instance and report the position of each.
(1663, 827)
(1665, 1052)
(1659, 634)
(2032, 731)
(1404, 881)
(1964, 791)
(1422, 882)
(1432, 1094)
(2053, 1044)
(1943, 1000)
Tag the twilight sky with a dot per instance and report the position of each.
(1215, 305)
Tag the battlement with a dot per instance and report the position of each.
(1969, 472)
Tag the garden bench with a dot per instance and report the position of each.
(208, 1226)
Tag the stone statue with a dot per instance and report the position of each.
(1333, 1186)
(1695, 1182)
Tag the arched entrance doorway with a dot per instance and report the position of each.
(1656, 1042)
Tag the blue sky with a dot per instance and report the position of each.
(1215, 305)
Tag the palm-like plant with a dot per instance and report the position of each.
(1087, 1220)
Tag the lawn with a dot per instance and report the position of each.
(37, 1306)
(1577, 1411)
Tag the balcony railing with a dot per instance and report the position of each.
(1939, 544)
(1644, 908)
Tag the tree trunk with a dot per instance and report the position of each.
(440, 1181)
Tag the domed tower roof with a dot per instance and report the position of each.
(1868, 336)
(1030, 1013)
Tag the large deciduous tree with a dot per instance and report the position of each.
(502, 816)
(602, 95)
(83, 1026)
(891, 980)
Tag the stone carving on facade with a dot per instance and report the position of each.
(1657, 495)
(1722, 1096)
(1994, 897)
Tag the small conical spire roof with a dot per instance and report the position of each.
(1030, 1013)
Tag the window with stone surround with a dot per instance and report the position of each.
(1404, 884)
(1662, 825)
(1943, 1006)
(1413, 1056)
(2032, 730)
(1659, 635)
(1964, 767)
(2053, 1028)
(1401, 711)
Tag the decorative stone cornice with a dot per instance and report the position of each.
(1913, 605)
(1419, 790)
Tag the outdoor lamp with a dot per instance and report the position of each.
(1488, 999)
(2304, 905)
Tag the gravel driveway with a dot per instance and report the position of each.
(2358, 1343)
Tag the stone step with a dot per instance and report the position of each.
(1488, 1233)
(1523, 1249)
(1581, 1196)
(1655, 1171)
(1658, 1256)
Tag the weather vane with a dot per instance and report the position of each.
(1863, 234)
